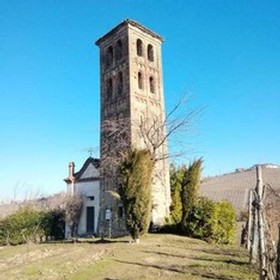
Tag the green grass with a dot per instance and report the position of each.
(158, 256)
(94, 270)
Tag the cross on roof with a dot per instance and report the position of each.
(90, 151)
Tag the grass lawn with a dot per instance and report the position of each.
(157, 256)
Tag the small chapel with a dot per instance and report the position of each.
(131, 92)
(85, 182)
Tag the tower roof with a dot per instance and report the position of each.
(126, 23)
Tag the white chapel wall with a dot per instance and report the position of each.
(88, 190)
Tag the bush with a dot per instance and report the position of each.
(213, 222)
(21, 227)
(224, 231)
(176, 174)
(53, 224)
(2, 236)
(199, 223)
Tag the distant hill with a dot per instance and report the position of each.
(235, 186)
(51, 202)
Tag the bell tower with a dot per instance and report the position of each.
(131, 96)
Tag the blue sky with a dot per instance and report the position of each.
(224, 54)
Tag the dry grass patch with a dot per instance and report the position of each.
(158, 256)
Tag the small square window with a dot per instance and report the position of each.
(90, 198)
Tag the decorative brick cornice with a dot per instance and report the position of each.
(126, 23)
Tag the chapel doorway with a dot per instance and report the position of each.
(90, 219)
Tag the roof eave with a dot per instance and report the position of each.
(133, 23)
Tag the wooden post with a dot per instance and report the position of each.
(261, 225)
(250, 221)
(278, 256)
(254, 232)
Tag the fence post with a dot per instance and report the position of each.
(278, 256)
(250, 220)
(260, 209)
(255, 236)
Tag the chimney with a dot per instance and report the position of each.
(71, 169)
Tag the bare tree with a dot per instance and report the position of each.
(148, 130)
(73, 210)
(152, 133)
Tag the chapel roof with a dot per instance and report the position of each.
(77, 175)
(94, 161)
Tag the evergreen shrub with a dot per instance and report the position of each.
(176, 175)
(199, 223)
(135, 190)
(224, 231)
(22, 226)
(212, 221)
(190, 189)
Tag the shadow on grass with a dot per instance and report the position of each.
(109, 241)
(88, 241)
(212, 276)
(220, 252)
(166, 254)
(182, 270)
(234, 262)
(178, 269)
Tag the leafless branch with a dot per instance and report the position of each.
(151, 133)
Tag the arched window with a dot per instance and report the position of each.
(109, 88)
(150, 51)
(119, 50)
(152, 84)
(139, 45)
(109, 56)
(140, 80)
(120, 83)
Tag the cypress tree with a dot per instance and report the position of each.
(135, 190)
(176, 176)
(190, 189)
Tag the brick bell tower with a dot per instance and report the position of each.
(132, 93)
